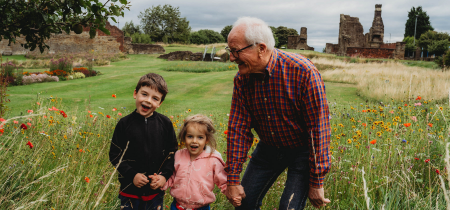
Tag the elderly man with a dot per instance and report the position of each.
(281, 96)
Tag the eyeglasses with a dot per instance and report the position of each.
(236, 52)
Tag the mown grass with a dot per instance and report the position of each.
(199, 67)
(53, 173)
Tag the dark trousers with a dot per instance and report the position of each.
(156, 203)
(266, 164)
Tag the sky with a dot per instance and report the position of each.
(320, 17)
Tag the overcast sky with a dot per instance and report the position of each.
(321, 17)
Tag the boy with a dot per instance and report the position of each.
(151, 148)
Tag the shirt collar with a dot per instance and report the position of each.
(272, 62)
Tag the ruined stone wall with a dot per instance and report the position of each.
(370, 52)
(299, 42)
(147, 49)
(331, 48)
(388, 45)
(400, 50)
(73, 43)
(350, 33)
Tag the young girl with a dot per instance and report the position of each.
(197, 167)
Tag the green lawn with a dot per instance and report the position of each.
(200, 92)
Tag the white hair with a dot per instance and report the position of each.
(256, 31)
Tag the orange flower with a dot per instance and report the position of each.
(80, 150)
(406, 104)
(364, 110)
(407, 124)
(91, 115)
(373, 141)
(225, 132)
(87, 179)
(114, 95)
(364, 124)
(418, 98)
(2, 131)
(430, 124)
(108, 116)
(120, 114)
(114, 109)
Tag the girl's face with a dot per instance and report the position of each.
(195, 139)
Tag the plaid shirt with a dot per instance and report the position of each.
(284, 106)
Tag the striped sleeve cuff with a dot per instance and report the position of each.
(316, 180)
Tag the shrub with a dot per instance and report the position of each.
(64, 63)
(78, 75)
(9, 68)
(38, 78)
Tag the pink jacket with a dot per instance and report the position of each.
(192, 183)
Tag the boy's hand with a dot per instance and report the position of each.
(140, 180)
(158, 181)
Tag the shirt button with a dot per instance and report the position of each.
(268, 117)
(263, 82)
(273, 133)
(265, 99)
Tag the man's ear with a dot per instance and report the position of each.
(262, 48)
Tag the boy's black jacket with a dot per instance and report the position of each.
(152, 140)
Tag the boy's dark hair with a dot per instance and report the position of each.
(154, 81)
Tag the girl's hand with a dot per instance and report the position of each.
(158, 181)
(140, 180)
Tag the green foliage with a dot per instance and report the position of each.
(206, 36)
(430, 38)
(282, 34)
(423, 22)
(141, 38)
(163, 23)
(438, 47)
(443, 60)
(410, 46)
(38, 19)
(274, 30)
(225, 31)
(130, 28)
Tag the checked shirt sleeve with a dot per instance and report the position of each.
(316, 116)
(239, 139)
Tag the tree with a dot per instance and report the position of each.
(438, 47)
(423, 22)
(274, 30)
(410, 47)
(225, 31)
(130, 28)
(197, 38)
(38, 19)
(282, 33)
(141, 38)
(206, 36)
(443, 60)
(430, 38)
(163, 23)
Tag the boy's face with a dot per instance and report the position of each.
(147, 100)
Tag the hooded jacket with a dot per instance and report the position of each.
(192, 182)
(151, 148)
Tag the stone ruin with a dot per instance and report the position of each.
(82, 43)
(353, 42)
(299, 42)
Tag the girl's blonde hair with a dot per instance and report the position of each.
(200, 120)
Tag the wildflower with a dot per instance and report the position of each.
(2, 120)
(63, 113)
(189, 110)
(406, 104)
(349, 141)
(441, 108)
(16, 122)
(225, 132)
(107, 116)
(373, 141)
(91, 116)
(418, 98)
(23, 126)
(2, 131)
(418, 104)
(416, 158)
(30, 144)
(437, 171)
(114, 96)
(403, 141)
(80, 150)
(87, 179)
(400, 108)
(407, 124)
(98, 135)
(430, 124)
(89, 112)
(120, 114)
(414, 118)
(30, 111)
(114, 109)
(364, 124)
(392, 111)
(427, 160)
(65, 137)
(364, 110)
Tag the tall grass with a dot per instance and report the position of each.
(389, 80)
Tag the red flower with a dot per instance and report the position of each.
(250, 156)
(407, 124)
(364, 124)
(373, 141)
(107, 116)
(364, 110)
(87, 179)
(38, 103)
(114, 109)
(114, 95)
(225, 132)
(430, 124)
(2, 131)
(30, 144)
(30, 111)
(416, 158)
(63, 113)
(406, 104)
(418, 98)
(120, 114)
(23, 126)
(437, 171)
(91, 115)
(2, 120)
(427, 160)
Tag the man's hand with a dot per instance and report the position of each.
(140, 180)
(317, 197)
(158, 181)
(235, 194)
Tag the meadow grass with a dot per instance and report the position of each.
(68, 166)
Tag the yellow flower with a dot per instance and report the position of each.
(65, 137)
(441, 108)
(98, 135)
(349, 141)
(342, 151)
(189, 110)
